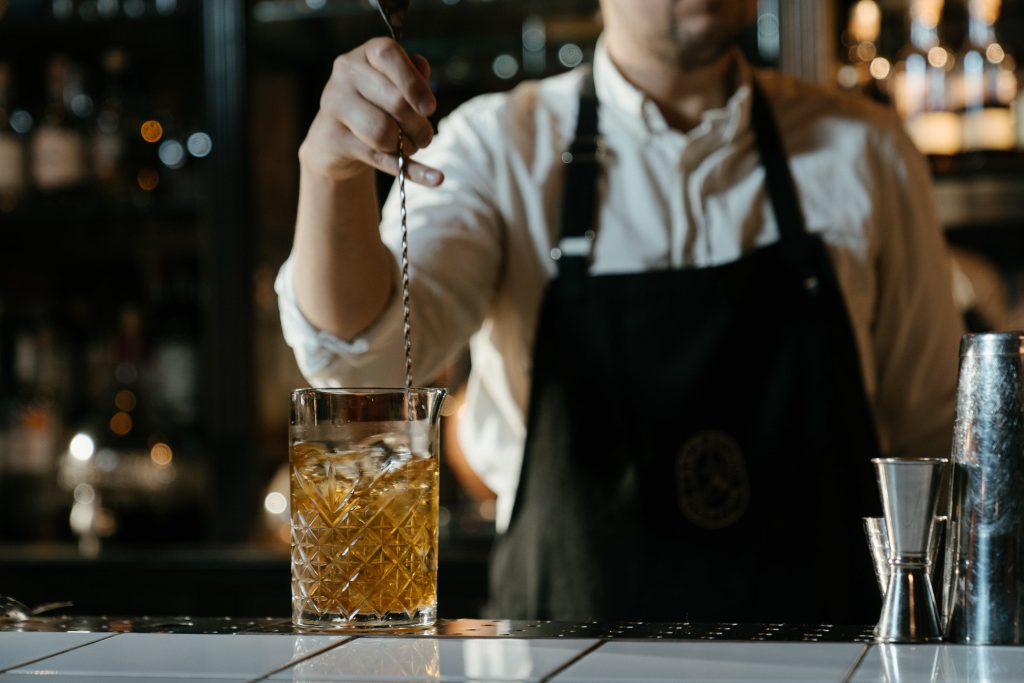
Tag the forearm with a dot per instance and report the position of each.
(342, 270)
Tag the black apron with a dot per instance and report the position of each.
(699, 441)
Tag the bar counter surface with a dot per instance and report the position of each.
(84, 649)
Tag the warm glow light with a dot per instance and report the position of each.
(152, 131)
(848, 76)
(987, 10)
(880, 68)
(121, 423)
(865, 21)
(866, 51)
(161, 454)
(926, 12)
(938, 57)
(995, 53)
(275, 503)
(125, 400)
(82, 447)
(487, 509)
(148, 179)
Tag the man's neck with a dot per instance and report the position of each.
(681, 94)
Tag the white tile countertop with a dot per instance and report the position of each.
(465, 651)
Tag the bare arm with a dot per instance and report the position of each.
(342, 269)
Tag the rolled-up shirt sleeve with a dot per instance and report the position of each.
(454, 248)
(325, 359)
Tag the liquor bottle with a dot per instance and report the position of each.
(921, 88)
(12, 147)
(172, 376)
(58, 146)
(31, 439)
(989, 83)
(109, 144)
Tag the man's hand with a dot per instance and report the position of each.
(375, 92)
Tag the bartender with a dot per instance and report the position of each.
(698, 299)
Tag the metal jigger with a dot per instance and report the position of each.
(910, 492)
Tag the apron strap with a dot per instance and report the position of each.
(782, 192)
(579, 199)
(583, 164)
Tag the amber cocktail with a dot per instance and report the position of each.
(364, 508)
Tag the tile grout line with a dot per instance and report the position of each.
(311, 655)
(44, 657)
(572, 661)
(856, 664)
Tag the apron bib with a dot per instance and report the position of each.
(699, 442)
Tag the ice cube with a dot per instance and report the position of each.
(394, 447)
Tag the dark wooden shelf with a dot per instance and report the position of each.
(982, 199)
(1001, 164)
(69, 228)
(42, 210)
(33, 19)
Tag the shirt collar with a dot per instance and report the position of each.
(641, 115)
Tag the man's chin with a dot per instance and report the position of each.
(691, 54)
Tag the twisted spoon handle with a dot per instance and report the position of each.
(393, 12)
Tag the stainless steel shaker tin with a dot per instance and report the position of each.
(985, 553)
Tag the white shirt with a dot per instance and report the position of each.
(480, 245)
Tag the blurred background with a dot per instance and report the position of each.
(148, 181)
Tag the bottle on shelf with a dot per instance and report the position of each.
(172, 375)
(109, 138)
(989, 82)
(922, 89)
(58, 152)
(12, 147)
(32, 430)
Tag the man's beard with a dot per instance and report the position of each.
(691, 49)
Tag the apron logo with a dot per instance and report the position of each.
(711, 480)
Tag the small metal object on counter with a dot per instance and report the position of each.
(910, 491)
(878, 546)
(393, 12)
(15, 611)
(985, 552)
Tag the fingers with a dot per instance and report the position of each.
(382, 75)
(387, 57)
(379, 91)
(421, 63)
(416, 172)
(371, 126)
(376, 94)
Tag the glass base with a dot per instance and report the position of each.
(389, 621)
